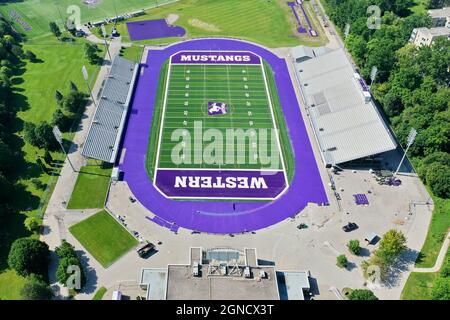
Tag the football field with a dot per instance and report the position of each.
(218, 116)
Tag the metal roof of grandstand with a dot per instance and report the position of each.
(347, 124)
(106, 129)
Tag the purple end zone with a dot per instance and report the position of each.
(219, 216)
(220, 184)
(153, 29)
(204, 57)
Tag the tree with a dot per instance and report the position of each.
(436, 157)
(73, 86)
(7, 158)
(441, 289)
(64, 273)
(392, 245)
(40, 136)
(28, 256)
(67, 257)
(66, 250)
(341, 261)
(362, 294)
(55, 29)
(74, 102)
(32, 224)
(35, 288)
(30, 56)
(60, 119)
(353, 246)
(90, 52)
(438, 178)
(59, 97)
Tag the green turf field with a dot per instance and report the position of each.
(250, 107)
(103, 237)
(39, 13)
(91, 188)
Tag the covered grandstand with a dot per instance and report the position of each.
(346, 122)
(103, 140)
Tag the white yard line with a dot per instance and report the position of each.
(274, 124)
(162, 120)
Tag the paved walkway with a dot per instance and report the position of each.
(440, 259)
(55, 228)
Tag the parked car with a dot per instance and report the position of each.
(350, 227)
(145, 249)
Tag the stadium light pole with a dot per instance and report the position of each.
(373, 75)
(58, 137)
(411, 138)
(86, 78)
(106, 43)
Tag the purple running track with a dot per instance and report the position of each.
(224, 216)
(153, 29)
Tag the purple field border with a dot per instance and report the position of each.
(215, 216)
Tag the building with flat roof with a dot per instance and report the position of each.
(440, 17)
(426, 36)
(223, 274)
(346, 122)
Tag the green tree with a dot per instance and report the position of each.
(35, 288)
(66, 250)
(441, 289)
(55, 29)
(73, 86)
(341, 261)
(354, 247)
(32, 224)
(362, 294)
(74, 102)
(392, 245)
(40, 136)
(30, 56)
(28, 256)
(59, 97)
(63, 272)
(91, 53)
(438, 178)
(60, 119)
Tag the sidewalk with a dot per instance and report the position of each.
(440, 259)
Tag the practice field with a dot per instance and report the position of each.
(103, 237)
(33, 17)
(219, 125)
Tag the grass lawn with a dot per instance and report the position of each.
(270, 23)
(99, 293)
(10, 285)
(91, 188)
(34, 90)
(440, 224)
(418, 286)
(132, 53)
(38, 14)
(103, 237)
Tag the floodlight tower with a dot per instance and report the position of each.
(106, 43)
(86, 78)
(411, 138)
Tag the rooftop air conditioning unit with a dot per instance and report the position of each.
(195, 269)
(262, 274)
(247, 272)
